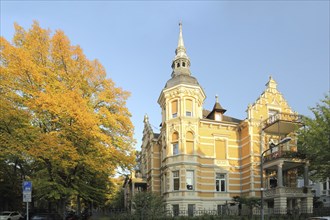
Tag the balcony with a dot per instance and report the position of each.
(288, 192)
(284, 154)
(282, 123)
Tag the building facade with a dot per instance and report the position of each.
(201, 158)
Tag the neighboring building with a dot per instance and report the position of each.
(321, 190)
(132, 185)
(201, 159)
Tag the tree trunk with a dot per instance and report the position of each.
(78, 206)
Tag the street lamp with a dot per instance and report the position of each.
(271, 146)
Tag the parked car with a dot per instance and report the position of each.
(10, 215)
(46, 216)
(320, 218)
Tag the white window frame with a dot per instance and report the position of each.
(190, 180)
(217, 116)
(220, 178)
(175, 148)
(189, 114)
(176, 177)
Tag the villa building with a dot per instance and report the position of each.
(202, 158)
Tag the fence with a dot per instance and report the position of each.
(228, 214)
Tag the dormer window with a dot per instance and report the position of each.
(217, 117)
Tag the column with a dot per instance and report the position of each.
(280, 205)
(279, 175)
(306, 181)
(307, 205)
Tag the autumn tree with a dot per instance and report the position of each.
(314, 139)
(63, 124)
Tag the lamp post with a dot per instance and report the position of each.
(271, 146)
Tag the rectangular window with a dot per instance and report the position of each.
(325, 186)
(174, 109)
(189, 108)
(189, 147)
(272, 115)
(190, 179)
(176, 180)
(272, 112)
(220, 149)
(175, 147)
(217, 117)
(191, 210)
(220, 182)
(175, 210)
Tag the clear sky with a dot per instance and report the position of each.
(233, 46)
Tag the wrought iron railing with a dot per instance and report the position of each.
(284, 154)
(234, 214)
(282, 117)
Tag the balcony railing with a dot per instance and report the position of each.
(287, 192)
(284, 154)
(283, 119)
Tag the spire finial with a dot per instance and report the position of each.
(271, 83)
(181, 62)
(216, 98)
(146, 118)
(180, 42)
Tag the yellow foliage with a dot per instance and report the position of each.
(77, 115)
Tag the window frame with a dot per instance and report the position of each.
(191, 186)
(220, 182)
(189, 114)
(176, 209)
(175, 148)
(189, 111)
(175, 103)
(191, 210)
(176, 180)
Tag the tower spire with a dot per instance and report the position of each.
(181, 62)
(180, 42)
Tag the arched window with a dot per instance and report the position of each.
(175, 143)
(178, 65)
(189, 143)
(183, 64)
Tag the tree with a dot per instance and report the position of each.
(314, 140)
(148, 205)
(250, 202)
(63, 123)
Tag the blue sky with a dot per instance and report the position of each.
(233, 46)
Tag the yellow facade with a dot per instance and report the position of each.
(205, 157)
